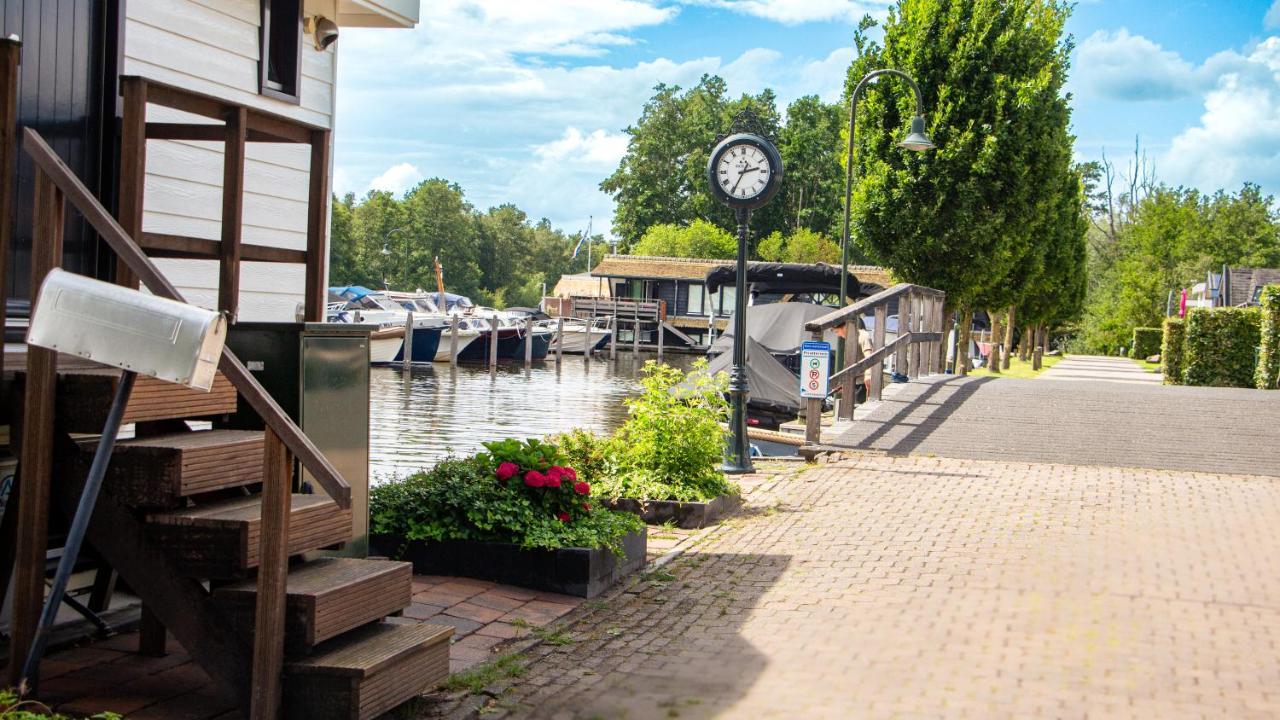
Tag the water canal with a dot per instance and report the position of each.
(424, 414)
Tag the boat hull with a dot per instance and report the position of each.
(385, 345)
(465, 339)
(511, 343)
(426, 342)
(575, 341)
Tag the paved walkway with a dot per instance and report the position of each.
(1101, 368)
(1082, 421)
(883, 587)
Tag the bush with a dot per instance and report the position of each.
(1146, 342)
(1268, 373)
(585, 452)
(518, 492)
(1222, 347)
(672, 444)
(13, 707)
(1171, 350)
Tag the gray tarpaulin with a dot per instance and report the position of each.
(777, 326)
(772, 386)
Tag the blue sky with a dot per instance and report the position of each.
(525, 101)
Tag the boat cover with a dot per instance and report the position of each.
(785, 278)
(771, 385)
(779, 327)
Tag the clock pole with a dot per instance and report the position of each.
(738, 455)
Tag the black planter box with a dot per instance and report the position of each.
(687, 515)
(584, 572)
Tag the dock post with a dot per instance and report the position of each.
(453, 341)
(528, 341)
(613, 339)
(660, 337)
(635, 329)
(493, 343)
(560, 339)
(408, 341)
(591, 323)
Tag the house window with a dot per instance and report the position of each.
(696, 294)
(725, 299)
(280, 58)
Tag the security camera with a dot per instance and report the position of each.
(324, 30)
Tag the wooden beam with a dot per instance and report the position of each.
(269, 614)
(10, 55)
(182, 246)
(196, 132)
(281, 129)
(247, 385)
(35, 460)
(232, 214)
(317, 228)
(133, 168)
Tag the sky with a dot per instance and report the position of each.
(526, 101)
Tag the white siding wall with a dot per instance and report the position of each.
(211, 46)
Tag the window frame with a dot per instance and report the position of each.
(285, 92)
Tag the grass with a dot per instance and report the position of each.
(1020, 369)
(1148, 366)
(481, 676)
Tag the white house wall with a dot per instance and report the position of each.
(211, 47)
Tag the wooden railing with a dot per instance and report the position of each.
(56, 185)
(916, 349)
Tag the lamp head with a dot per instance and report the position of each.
(917, 140)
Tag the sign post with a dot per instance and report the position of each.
(815, 369)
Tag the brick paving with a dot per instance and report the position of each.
(1098, 367)
(915, 587)
(1084, 421)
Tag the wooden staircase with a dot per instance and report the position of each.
(208, 527)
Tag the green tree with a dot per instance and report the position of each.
(812, 196)
(960, 218)
(344, 265)
(699, 239)
(801, 246)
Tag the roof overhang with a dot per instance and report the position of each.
(377, 13)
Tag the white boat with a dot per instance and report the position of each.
(469, 330)
(385, 343)
(580, 337)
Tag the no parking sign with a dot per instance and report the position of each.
(815, 366)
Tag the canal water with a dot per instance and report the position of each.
(422, 415)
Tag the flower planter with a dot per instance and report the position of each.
(686, 515)
(584, 572)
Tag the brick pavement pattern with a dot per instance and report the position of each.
(910, 587)
(1076, 422)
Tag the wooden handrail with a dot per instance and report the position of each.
(844, 314)
(128, 251)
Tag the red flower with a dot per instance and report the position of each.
(535, 479)
(563, 516)
(582, 488)
(586, 506)
(571, 474)
(553, 481)
(506, 471)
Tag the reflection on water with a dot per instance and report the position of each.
(422, 415)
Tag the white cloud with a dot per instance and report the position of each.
(599, 149)
(397, 179)
(1120, 66)
(794, 12)
(1272, 19)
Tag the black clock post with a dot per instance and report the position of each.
(745, 172)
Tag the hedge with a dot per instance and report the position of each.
(1146, 342)
(1222, 347)
(1268, 375)
(1171, 349)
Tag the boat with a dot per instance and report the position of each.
(356, 304)
(579, 337)
(512, 337)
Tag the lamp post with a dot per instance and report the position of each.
(386, 253)
(915, 140)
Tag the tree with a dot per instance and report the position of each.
(960, 218)
(810, 144)
(700, 239)
(343, 250)
(801, 246)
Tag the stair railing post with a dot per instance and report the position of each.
(904, 327)
(35, 462)
(876, 390)
(273, 569)
(849, 383)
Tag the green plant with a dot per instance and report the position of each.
(13, 707)
(585, 452)
(1172, 348)
(1268, 373)
(672, 443)
(1222, 347)
(478, 678)
(1146, 342)
(470, 499)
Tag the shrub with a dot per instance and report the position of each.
(585, 452)
(1146, 342)
(1221, 347)
(672, 444)
(13, 707)
(1171, 350)
(518, 492)
(1268, 373)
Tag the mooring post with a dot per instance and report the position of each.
(560, 338)
(493, 343)
(528, 341)
(408, 341)
(635, 328)
(662, 314)
(613, 337)
(453, 341)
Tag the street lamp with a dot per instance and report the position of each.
(386, 253)
(916, 140)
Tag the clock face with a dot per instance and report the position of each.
(743, 171)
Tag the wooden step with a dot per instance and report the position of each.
(327, 597)
(84, 397)
(220, 539)
(159, 471)
(367, 672)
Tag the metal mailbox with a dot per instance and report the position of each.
(121, 327)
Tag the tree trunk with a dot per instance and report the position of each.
(1025, 343)
(997, 334)
(965, 334)
(1039, 347)
(1008, 335)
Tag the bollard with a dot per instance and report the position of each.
(453, 341)
(560, 339)
(408, 341)
(613, 339)
(635, 329)
(493, 343)
(528, 341)
(591, 324)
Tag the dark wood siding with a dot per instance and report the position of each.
(666, 290)
(67, 60)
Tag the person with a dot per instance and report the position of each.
(864, 342)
